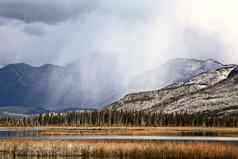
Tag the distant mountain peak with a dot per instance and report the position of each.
(60, 87)
(18, 65)
(177, 60)
(173, 71)
(214, 91)
(174, 60)
(212, 61)
(48, 65)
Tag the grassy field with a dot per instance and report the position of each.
(117, 149)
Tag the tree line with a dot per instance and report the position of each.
(122, 118)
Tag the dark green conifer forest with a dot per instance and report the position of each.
(120, 118)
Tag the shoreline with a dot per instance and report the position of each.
(121, 149)
(128, 131)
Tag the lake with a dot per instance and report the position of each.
(183, 136)
(34, 134)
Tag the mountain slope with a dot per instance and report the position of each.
(221, 98)
(54, 87)
(22, 84)
(82, 84)
(214, 90)
(173, 71)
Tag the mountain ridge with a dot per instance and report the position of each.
(53, 87)
(186, 96)
(174, 70)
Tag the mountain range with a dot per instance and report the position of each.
(50, 87)
(215, 91)
(57, 88)
(172, 71)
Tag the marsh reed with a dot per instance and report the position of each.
(119, 149)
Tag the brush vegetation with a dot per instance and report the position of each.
(119, 149)
(135, 131)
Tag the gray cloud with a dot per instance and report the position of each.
(193, 42)
(3, 21)
(35, 29)
(55, 11)
(30, 11)
(138, 35)
(111, 40)
(203, 44)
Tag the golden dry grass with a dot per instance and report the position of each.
(112, 131)
(119, 149)
(138, 131)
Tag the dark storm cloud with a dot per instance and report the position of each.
(3, 21)
(141, 32)
(50, 12)
(55, 11)
(112, 39)
(35, 29)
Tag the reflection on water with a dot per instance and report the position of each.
(198, 133)
(34, 134)
(210, 137)
(14, 133)
(18, 134)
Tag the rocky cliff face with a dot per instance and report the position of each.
(216, 90)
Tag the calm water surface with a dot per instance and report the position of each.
(182, 136)
(34, 134)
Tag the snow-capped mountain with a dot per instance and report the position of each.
(52, 87)
(173, 71)
(213, 91)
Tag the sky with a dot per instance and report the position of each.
(135, 35)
